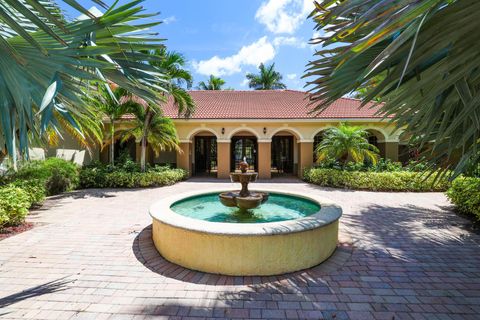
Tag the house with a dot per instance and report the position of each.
(272, 129)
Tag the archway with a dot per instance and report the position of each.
(377, 138)
(205, 153)
(244, 145)
(284, 152)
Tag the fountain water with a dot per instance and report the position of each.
(243, 199)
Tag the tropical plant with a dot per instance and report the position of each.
(150, 127)
(47, 65)
(213, 83)
(267, 79)
(114, 103)
(428, 51)
(346, 143)
(176, 78)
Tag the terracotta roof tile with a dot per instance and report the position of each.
(267, 104)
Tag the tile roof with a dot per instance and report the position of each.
(268, 104)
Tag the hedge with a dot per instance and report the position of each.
(465, 195)
(101, 178)
(374, 181)
(14, 204)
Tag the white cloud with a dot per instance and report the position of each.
(289, 41)
(284, 16)
(253, 54)
(291, 76)
(169, 20)
(244, 83)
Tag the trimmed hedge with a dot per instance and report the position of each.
(14, 204)
(465, 195)
(374, 181)
(98, 177)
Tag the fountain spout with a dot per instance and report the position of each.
(243, 199)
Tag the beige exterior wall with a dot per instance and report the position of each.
(303, 132)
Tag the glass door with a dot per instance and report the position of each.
(205, 155)
(244, 147)
(282, 154)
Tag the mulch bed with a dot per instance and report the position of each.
(11, 231)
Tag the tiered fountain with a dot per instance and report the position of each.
(243, 199)
(239, 232)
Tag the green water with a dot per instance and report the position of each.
(279, 207)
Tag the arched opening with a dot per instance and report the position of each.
(284, 154)
(377, 139)
(205, 154)
(244, 145)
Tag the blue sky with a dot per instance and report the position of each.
(230, 38)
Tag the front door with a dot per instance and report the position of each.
(282, 154)
(244, 147)
(205, 155)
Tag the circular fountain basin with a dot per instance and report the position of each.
(289, 232)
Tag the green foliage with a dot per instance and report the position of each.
(58, 175)
(126, 176)
(381, 166)
(427, 79)
(267, 79)
(346, 142)
(14, 204)
(465, 195)
(48, 64)
(213, 83)
(35, 189)
(375, 181)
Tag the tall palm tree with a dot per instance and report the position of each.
(267, 79)
(213, 83)
(114, 103)
(159, 132)
(176, 79)
(431, 83)
(47, 65)
(346, 143)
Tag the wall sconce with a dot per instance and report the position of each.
(264, 130)
(223, 130)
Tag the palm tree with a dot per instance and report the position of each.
(346, 143)
(114, 103)
(213, 83)
(152, 128)
(172, 64)
(268, 79)
(48, 64)
(430, 84)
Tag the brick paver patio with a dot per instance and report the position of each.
(403, 256)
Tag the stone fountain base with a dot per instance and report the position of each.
(235, 199)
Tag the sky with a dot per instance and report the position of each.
(231, 38)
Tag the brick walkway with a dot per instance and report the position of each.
(403, 256)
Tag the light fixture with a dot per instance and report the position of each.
(223, 130)
(264, 130)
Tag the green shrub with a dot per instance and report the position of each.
(375, 181)
(465, 195)
(380, 166)
(14, 204)
(35, 189)
(106, 176)
(59, 175)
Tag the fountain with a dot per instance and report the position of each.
(239, 232)
(243, 199)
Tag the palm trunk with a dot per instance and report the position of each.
(112, 142)
(146, 124)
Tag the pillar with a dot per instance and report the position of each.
(264, 159)
(184, 157)
(223, 159)
(391, 150)
(305, 156)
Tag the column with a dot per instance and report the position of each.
(305, 156)
(391, 150)
(264, 159)
(223, 159)
(184, 157)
